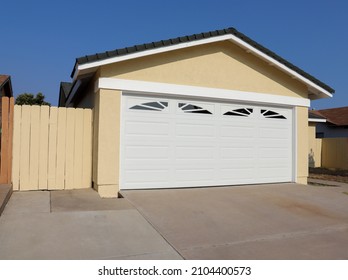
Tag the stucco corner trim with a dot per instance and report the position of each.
(143, 87)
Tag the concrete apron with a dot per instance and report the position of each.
(278, 221)
(77, 225)
(5, 194)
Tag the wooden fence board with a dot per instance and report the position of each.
(24, 183)
(4, 140)
(52, 148)
(61, 146)
(87, 149)
(43, 151)
(17, 119)
(78, 149)
(34, 147)
(70, 149)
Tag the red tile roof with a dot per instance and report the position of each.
(3, 78)
(336, 116)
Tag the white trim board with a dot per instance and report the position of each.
(311, 85)
(316, 120)
(198, 92)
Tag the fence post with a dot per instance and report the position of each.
(6, 139)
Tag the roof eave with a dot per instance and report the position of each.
(316, 120)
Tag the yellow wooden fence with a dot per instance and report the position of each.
(52, 148)
(334, 153)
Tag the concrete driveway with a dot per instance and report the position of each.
(77, 225)
(285, 221)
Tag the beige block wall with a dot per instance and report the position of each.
(218, 65)
(302, 144)
(106, 152)
(314, 146)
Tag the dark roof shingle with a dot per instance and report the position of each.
(3, 78)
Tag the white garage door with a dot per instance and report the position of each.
(168, 143)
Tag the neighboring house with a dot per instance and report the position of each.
(209, 109)
(336, 124)
(5, 86)
(63, 93)
(328, 141)
(5, 89)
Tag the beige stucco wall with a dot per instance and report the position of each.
(314, 146)
(218, 65)
(302, 144)
(106, 146)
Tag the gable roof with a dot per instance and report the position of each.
(335, 116)
(90, 62)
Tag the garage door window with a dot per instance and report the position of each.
(151, 106)
(242, 112)
(271, 114)
(191, 108)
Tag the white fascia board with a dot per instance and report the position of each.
(226, 37)
(150, 52)
(199, 92)
(316, 120)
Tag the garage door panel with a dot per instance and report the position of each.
(237, 163)
(274, 172)
(271, 164)
(237, 152)
(198, 175)
(274, 133)
(273, 153)
(147, 126)
(194, 163)
(236, 132)
(146, 176)
(234, 174)
(172, 147)
(236, 143)
(196, 130)
(194, 152)
(274, 143)
(147, 152)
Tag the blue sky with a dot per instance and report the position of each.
(41, 39)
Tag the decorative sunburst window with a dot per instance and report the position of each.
(190, 108)
(151, 106)
(242, 112)
(272, 115)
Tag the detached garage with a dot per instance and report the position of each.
(208, 109)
